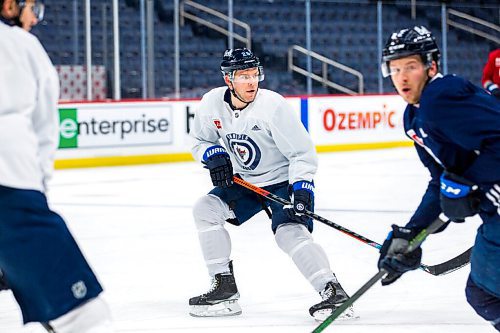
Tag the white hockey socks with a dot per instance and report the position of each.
(210, 214)
(93, 316)
(309, 257)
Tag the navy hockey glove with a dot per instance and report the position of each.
(459, 197)
(217, 160)
(493, 89)
(392, 256)
(302, 198)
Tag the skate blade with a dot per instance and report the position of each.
(223, 309)
(348, 314)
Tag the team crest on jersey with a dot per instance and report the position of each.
(245, 149)
(217, 123)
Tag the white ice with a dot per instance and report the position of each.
(134, 224)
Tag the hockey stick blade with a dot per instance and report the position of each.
(450, 265)
(413, 244)
(439, 269)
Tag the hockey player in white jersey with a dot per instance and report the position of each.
(40, 262)
(241, 129)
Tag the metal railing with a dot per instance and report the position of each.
(247, 40)
(476, 20)
(324, 73)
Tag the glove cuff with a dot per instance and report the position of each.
(403, 232)
(491, 86)
(454, 187)
(304, 185)
(214, 151)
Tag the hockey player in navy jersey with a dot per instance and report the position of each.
(239, 128)
(455, 127)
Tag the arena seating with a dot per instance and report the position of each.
(345, 31)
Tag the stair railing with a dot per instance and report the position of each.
(470, 18)
(323, 79)
(247, 39)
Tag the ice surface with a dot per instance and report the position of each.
(135, 226)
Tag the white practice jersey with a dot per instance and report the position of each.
(29, 120)
(266, 140)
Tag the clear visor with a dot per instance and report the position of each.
(247, 78)
(388, 70)
(384, 67)
(37, 8)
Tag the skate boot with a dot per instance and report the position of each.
(221, 300)
(333, 296)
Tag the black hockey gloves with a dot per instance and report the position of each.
(459, 197)
(302, 197)
(217, 160)
(392, 257)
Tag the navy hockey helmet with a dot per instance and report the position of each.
(240, 59)
(410, 41)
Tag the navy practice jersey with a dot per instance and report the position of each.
(457, 128)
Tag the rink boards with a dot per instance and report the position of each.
(155, 131)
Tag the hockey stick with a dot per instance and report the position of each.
(413, 244)
(439, 269)
(450, 265)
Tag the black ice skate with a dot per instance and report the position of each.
(220, 300)
(333, 296)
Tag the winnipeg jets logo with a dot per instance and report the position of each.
(247, 152)
(242, 152)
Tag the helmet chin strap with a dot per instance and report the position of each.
(233, 92)
(429, 78)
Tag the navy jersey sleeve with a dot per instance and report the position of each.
(429, 208)
(462, 113)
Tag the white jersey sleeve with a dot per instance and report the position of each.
(46, 114)
(204, 131)
(294, 143)
(29, 120)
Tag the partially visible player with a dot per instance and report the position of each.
(456, 129)
(30, 13)
(39, 259)
(491, 73)
(255, 133)
(27, 19)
